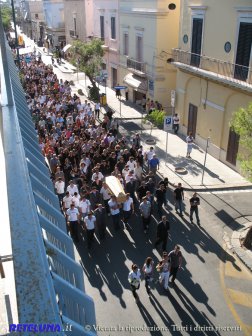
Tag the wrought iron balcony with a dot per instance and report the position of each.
(238, 75)
(135, 66)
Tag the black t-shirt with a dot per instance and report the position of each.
(178, 193)
(194, 201)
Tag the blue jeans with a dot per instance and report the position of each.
(179, 205)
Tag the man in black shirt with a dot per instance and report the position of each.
(178, 198)
(163, 228)
(194, 202)
(160, 197)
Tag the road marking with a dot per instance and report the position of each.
(241, 298)
(245, 328)
(232, 272)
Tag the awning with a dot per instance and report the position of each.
(23, 51)
(66, 47)
(138, 83)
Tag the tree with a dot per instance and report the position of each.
(241, 123)
(6, 17)
(88, 57)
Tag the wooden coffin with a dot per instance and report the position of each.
(116, 188)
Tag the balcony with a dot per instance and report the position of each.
(73, 34)
(228, 73)
(136, 67)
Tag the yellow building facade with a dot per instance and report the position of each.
(214, 78)
(148, 32)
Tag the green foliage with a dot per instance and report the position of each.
(89, 55)
(80, 92)
(156, 117)
(6, 17)
(241, 123)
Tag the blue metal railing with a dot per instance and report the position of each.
(49, 283)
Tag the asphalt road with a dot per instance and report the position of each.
(212, 292)
(199, 304)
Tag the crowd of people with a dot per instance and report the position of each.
(81, 151)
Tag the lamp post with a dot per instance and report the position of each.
(204, 165)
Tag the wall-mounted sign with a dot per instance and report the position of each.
(185, 38)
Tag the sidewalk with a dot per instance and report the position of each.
(217, 175)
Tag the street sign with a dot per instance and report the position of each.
(120, 87)
(167, 123)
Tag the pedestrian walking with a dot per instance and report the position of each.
(101, 220)
(179, 198)
(134, 279)
(97, 110)
(175, 257)
(154, 164)
(60, 190)
(160, 198)
(176, 122)
(194, 202)
(128, 210)
(163, 229)
(73, 222)
(163, 267)
(148, 270)
(89, 226)
(145, 210)
(115, 212)
(189, 141)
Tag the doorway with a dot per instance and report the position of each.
(233, 146)
(192, 119)
(114, 77)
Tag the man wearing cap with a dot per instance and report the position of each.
(89, 225)
(60, 189)
(73, 221)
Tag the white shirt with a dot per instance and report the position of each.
(99, 174)
(150, 154)
(105, 193)
(127, 204)
(73, 214)
(131, 164)
(67, 200)
(114, 209)
(90, 222)
(176, 120)
(72, 189)
(84, 206)
(60, 187)
(134, 278)
(76, 200)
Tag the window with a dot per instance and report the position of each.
(126, 44)
(113, 27)
(139, 48)
(196, 41)
(102, 27)
(243, 52)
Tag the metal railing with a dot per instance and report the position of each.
(234, 72)
(49, 283)
(135, 65)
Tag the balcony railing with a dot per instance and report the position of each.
(230, 71)
(135, 65)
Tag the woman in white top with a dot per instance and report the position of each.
(148, 273)
(134, 279)
(163, 267)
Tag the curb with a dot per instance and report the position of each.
(243, 254)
